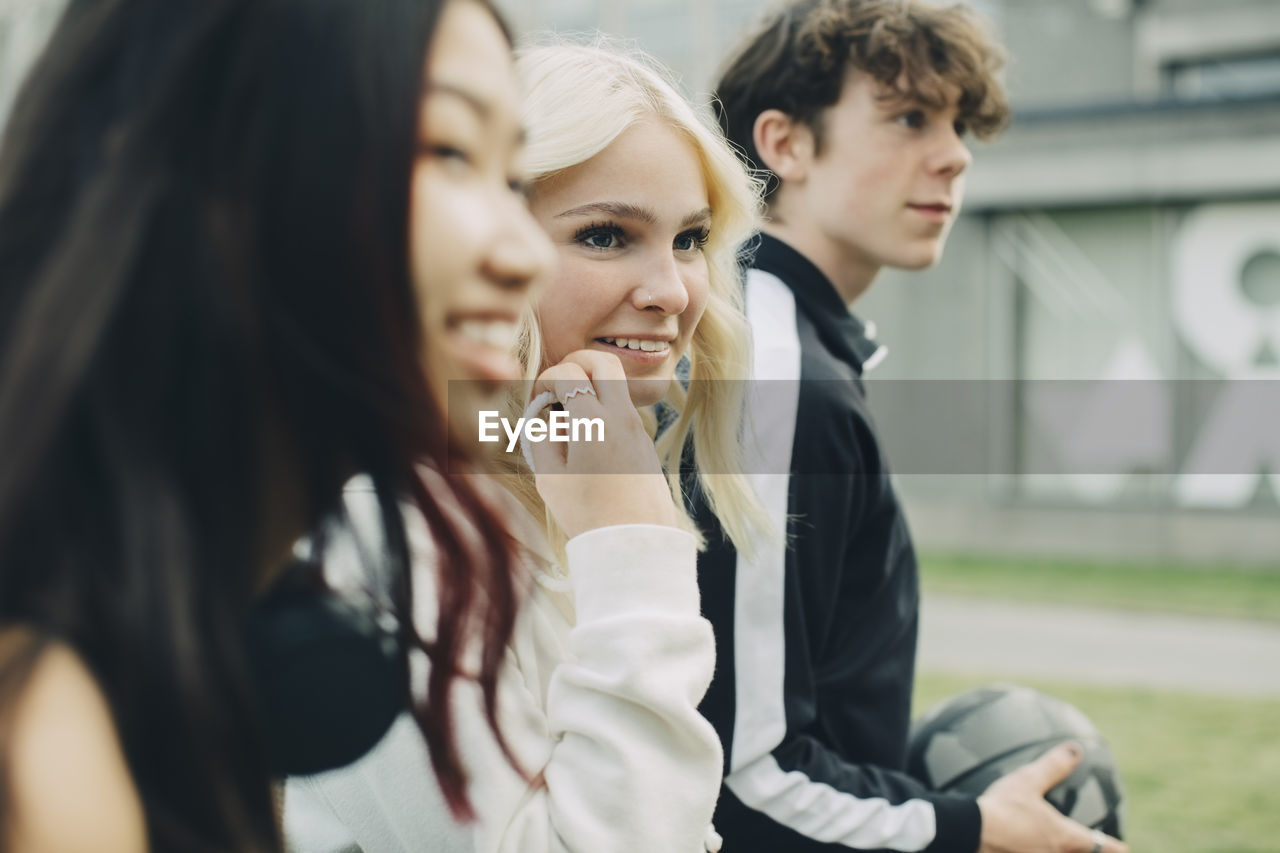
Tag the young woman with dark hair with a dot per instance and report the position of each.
(216, 306)
(647, 207)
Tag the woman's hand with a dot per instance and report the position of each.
(617, 480)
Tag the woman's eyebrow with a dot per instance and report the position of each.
(619, 209)
(478, 104)
(697, 218)
(624, 210)
(482, 108)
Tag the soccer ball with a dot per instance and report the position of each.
(967, 742)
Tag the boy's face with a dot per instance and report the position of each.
(889, 179)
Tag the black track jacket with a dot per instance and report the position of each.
(816, 634)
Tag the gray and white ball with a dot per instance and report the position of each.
(965, 743)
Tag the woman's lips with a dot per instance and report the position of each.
(636, 350)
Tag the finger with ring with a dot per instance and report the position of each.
(536, 406)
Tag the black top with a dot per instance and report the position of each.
(816, 637)
(331, 680)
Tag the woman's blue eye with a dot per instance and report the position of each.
(691, 240)
(600, 237)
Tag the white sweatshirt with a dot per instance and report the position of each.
(598, 698)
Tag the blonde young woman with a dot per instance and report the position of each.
(647, 208)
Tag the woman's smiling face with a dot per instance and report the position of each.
(629, 226)
(475, 251)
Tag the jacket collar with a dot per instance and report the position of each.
(843, 333)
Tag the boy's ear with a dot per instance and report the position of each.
(784, 144)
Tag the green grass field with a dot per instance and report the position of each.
(1226, 592)
(1202, 773)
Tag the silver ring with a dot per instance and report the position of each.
(1099, 841)
(535, 408)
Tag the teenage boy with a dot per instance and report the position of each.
(856, 112)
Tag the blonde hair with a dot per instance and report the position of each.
(578, 99)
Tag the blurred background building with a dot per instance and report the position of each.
(1125, 228)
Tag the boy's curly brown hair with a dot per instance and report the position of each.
(797, 60)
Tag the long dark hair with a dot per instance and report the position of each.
(204, 267)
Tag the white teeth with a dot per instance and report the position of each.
(500, 334)
(638, 344)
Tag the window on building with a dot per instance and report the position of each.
(1222, 77)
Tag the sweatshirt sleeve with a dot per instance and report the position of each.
(627, 761)
(614, 756)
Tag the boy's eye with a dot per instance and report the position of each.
(961, 128)
(913, 119)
